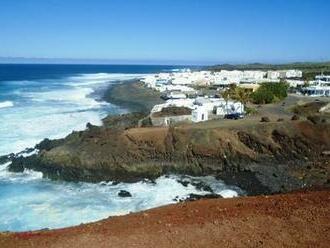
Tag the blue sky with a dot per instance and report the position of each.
(167, 31)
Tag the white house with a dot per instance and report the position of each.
(295, 83)
(319, 87)
(253, 75)
(230, 108)
(293, 74)
(181, 81)
(206, 103)
(322, 79)
(199, 114)
(181, 88)
(273, 74)
(209, 103)
(176, 95)
(221, 110)
(317, 91)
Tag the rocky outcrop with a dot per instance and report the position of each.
(264, 157)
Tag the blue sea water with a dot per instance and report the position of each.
(39, 101)
(50, 101)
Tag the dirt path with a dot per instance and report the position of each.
(291, 220)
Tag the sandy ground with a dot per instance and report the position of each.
(292, 220)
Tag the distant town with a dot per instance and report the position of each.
(202, 95)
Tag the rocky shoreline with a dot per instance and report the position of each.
(274, 157)
(260, 158)
(133, 96)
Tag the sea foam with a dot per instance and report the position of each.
(53, 109)
(63, 204)
(6, 104)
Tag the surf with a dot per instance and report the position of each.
(6, 104)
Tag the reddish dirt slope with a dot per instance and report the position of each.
(292, 220)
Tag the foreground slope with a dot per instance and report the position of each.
(291, 220)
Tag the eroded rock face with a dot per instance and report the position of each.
(279, 156)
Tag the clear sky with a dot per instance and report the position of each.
(167, 31)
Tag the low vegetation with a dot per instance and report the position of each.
(266, 93)
(270, 93)
(238, 94)
(308, 108)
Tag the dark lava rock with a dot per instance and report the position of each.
(265, 119)
(295, 118)
(315, 119)
(183, 182)
(4, 159)
(89, 125)
(195, 197)
(246, 180)
(124, 193)
(202, 186)
(48, 144)
(176, 198)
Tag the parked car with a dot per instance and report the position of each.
(235, 116)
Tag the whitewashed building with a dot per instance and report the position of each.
(200, 113)
(295, 83)
(273, 74)
(230, 107)
(176, 95)
(209, 103)
(319, 87)
(293, 74)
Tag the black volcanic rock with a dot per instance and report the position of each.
(195, 197)
(295, 117)
(265, 119)
(124, 193)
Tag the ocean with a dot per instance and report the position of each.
(39, 101)
(51, 101)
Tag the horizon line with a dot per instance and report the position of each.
(164, 62)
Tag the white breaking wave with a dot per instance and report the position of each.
(64, 204)
(101, 78)
(79, 96)
(54, 109)
(25, 176)
(6, 104)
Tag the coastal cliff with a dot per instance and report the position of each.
(260, 157)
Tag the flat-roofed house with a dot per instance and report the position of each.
(200, 113)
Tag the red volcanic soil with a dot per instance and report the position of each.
(300, 219)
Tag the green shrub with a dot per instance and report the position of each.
(251, 111)
(270, 92)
